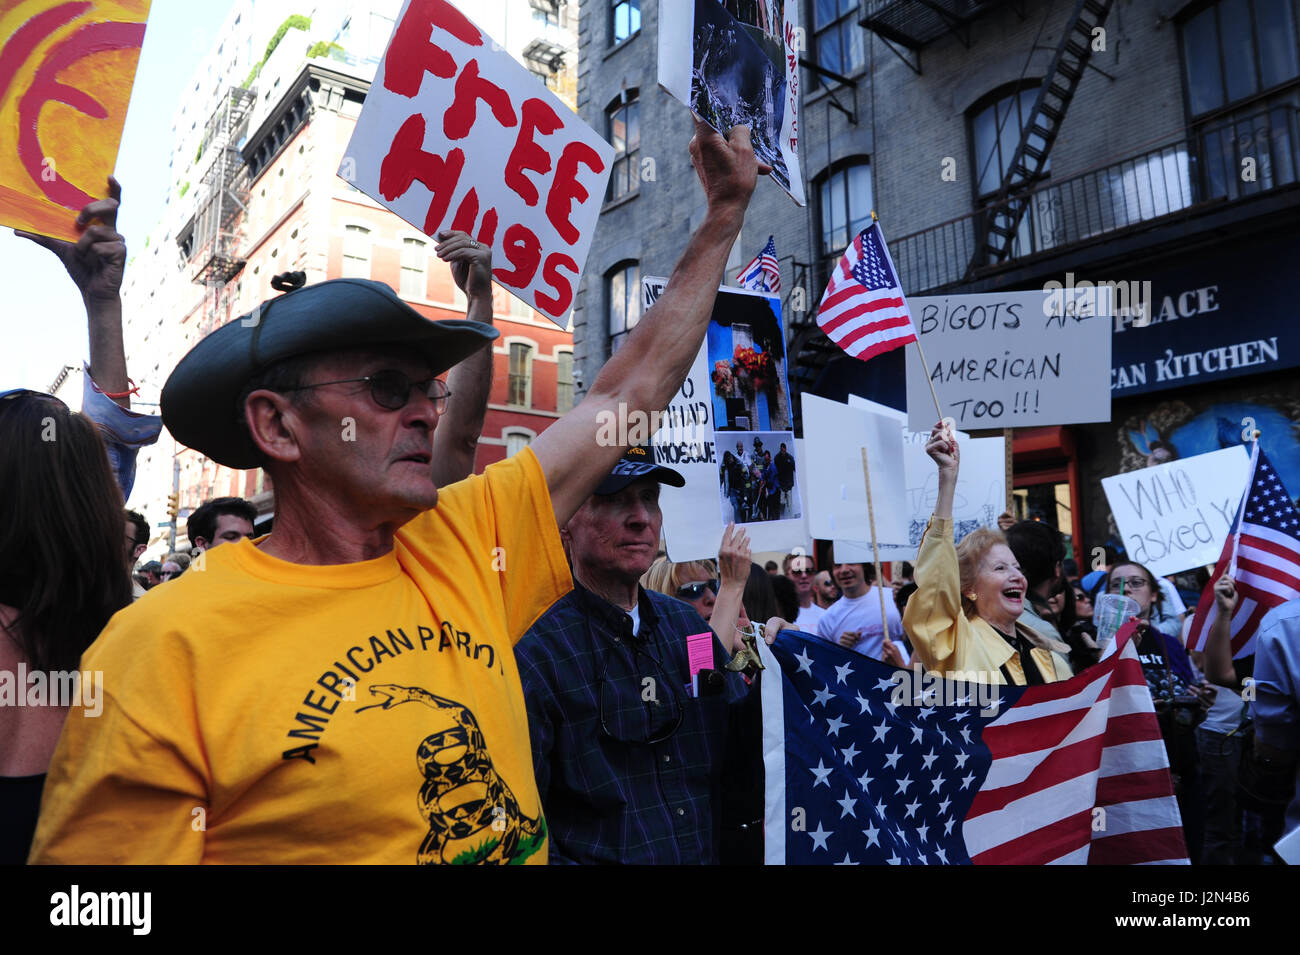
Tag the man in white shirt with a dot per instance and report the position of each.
(854, 621)
(800, 569)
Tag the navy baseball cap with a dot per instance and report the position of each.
(199, 399)
(635, 464)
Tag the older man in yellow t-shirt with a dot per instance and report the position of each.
(344, 689)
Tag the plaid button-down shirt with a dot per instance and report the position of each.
(629, 765)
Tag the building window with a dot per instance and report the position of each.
(625, 136)
(516, 441)
(521, 375)
(414, 258)
(623, 292)
(837, 37)
(995, 133)
(845, 205)
(356, 252)
(1244, 54)
(996, 123)
(625, 19)
(1237, 48)
(563, 381)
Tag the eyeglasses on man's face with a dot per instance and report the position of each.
(391, 389)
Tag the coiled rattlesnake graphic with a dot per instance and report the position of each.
(473, 816)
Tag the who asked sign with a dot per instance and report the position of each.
(1175, 516)
(457, 135)
(1012, 359)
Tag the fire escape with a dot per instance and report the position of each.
(1038, 135)
(213, 236)
(913, 24)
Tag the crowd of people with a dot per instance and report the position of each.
(757, 485)
(419, 664)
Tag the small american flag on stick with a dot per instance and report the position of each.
(763, 274)
(1263, 557)
(863, 310)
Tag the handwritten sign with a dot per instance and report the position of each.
(457, 135)
(1012, 359)
(1177, 515)
(685, 438)
(834, 435)
(980, 494)
(66, 71)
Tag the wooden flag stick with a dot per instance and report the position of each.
(1008, 457)
(875, 547)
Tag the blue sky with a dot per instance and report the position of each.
(43, 323)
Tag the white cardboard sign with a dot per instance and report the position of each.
(1175, 516)
(1011, 359)
(455, 134)
(834, 435)
(980, 495)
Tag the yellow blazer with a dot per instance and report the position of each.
(946, 641)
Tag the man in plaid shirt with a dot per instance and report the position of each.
(629, 759)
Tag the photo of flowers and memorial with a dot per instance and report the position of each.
(747, 364)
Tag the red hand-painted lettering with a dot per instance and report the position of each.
(558, 304)
(45, 88)
(407, 161)
(524, 251)
(411, 53)
(566, 187)
(470, 88)
(527, 154)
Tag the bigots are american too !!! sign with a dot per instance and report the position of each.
(455, 134)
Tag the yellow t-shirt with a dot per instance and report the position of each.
(259, 711)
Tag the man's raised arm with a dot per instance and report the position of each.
(470, 382)
(643, 375)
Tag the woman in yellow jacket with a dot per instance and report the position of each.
(962, 620)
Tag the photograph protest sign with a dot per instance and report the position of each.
(1175, 516)
(1012, 359)
(836, 494)
(736, 62)
(455, 134)
(757, 486)
(66, 71)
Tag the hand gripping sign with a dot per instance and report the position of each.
(457, 135)
(66, 70)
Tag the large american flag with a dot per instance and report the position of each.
(764, 273)
(863, 310)
(1072, 772)
(1263, 557)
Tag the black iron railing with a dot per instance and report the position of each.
(1230, 159)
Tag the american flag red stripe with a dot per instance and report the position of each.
(1070, 755)
(863, 309)
(1267, 564)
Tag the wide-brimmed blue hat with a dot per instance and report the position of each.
(199, 399)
